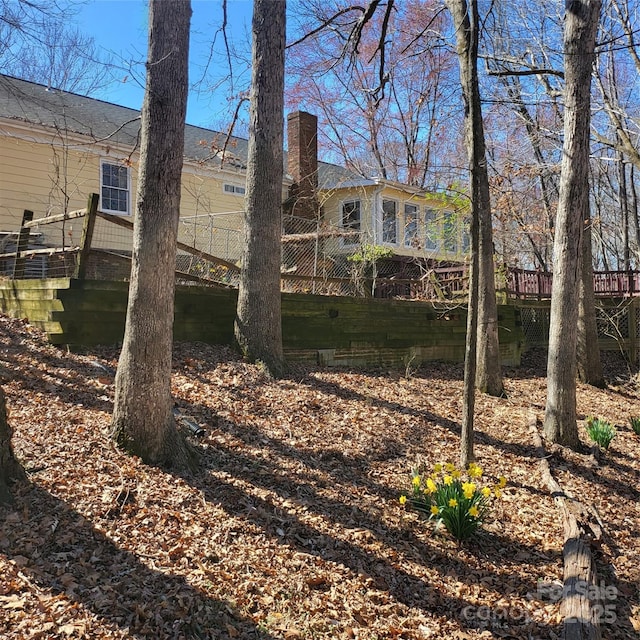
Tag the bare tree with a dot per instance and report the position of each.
(142, 417)
(488, 377)
(588, 354)
(465, 20)
(37, 44)
(616, 129)
(258, 326)
(581, 23)
(399, 131)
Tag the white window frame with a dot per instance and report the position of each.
(234, 189)
(115, 163)
(432, 244)
(382, 220)
(415, 212)
(351, 240)
(450, 221)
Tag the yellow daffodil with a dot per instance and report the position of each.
(456, 473)
(448, 480)
(498, 492)
(437, 468)
(502, 482)
(416, 482)
(468, 489)
(473, 511)
(431, 486)
(486, 492)
(475, 470)
(453, 502)
(403, 499)
(448, 467)
(434, 510)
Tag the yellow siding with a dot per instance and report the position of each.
(48, 178)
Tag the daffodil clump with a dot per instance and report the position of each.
(458, 500)
(600, 431)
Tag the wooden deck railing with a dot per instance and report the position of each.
(606, 284)
(522, 284)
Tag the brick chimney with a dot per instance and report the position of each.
(302, 164)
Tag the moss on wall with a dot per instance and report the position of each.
(323, 329)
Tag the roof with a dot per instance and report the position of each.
(37, 104)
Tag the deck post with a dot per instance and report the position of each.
(87, 236)
(22, 245)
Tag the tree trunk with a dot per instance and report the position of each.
(470, 355)
(588, 352)
(465, 19)
(258, 326)
(623, 198)
(10, 469)
(488, 374)
(634, 213)
(142, 417)
(581, 23)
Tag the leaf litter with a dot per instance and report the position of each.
(292, 527)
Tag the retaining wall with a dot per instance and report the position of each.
(328, 330)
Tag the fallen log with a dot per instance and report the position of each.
(581, 605)
(10, 468)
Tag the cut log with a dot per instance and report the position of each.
(10, 469)
(581, 606)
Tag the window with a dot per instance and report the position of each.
(351, 220)
(431, 229)
(466, 239)
(410, 225)
(450, 232)
(235, 189)
(389, 222)
(115, 188)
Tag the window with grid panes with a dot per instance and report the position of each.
(432, 230)
(351, 220)
(411, 225)
(115, 188)
(389, 222)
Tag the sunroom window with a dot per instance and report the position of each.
(351, 220)
(389, 222)
(411, 226)
(432, 230)
(450, 232)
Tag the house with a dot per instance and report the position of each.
(57, 147)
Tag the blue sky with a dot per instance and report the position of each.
(119, 28)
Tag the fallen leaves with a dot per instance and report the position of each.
(292, 527)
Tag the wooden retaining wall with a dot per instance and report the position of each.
(322, 329)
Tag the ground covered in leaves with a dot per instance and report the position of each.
(292, 527)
